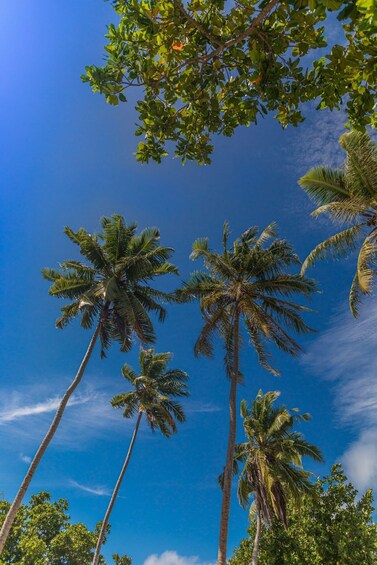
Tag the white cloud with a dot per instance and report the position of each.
(25, 458)
(96, 490)
(345, 353)
(360, 460)
(172, 558)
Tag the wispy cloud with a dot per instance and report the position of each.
(96, 490)
(26, 414)
(201, 407)
(172, 558)
(346, 354)
(47, 406)
(316, 141)
(25, 458)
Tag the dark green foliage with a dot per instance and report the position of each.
(43, 535)
(153, 392)
(125, 560)
(112, 287)
(272, 472)
(205, 67)
(333, 527)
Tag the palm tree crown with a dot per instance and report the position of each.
(112, 286)
(250, 280)
(272, 457)
(349, 195)
(153, 393)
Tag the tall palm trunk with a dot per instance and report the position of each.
(254, 559)
(45, 443)
(228, 472)
(115, 493)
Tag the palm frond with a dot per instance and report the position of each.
(69, 312)
(90, 248)
(70, 285)
(354, 296)
(199, 247)
(338, 245)
(217, 321)
(257, 341)
(343, 212)
(116, 237)
(325, 185)
(284, 285)
(268, 233)
(365, 260)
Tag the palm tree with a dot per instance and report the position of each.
(272, 455)
(110, 293)
(153, 393)
(247, 282)
(349, 195)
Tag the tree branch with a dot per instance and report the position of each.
(197, 24)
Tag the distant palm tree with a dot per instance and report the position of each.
(152, 395)
(349, 196)
(110, 293)
(272, 457)
(247, 282)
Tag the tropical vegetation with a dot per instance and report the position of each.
(200, 69)
(204, 67)
(246, 287)
(153, 396)
(111, 293)
(272, 473)
(348, 196)
(43, 535)
(332, 526)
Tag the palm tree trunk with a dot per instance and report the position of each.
(254, 560)
(115, 493)
(45, 443)
(228, 472)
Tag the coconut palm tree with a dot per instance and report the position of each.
(247, 282)
(109, 292)
(272, 456)
(152, 396)
(349, 196)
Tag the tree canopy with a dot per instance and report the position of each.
(43, 535)
(206, 67)
(330, 527)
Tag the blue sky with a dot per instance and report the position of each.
(66, 159)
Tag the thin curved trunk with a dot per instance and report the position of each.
(228, 472)
(115, 493)
(45, 443)
(254, 560)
